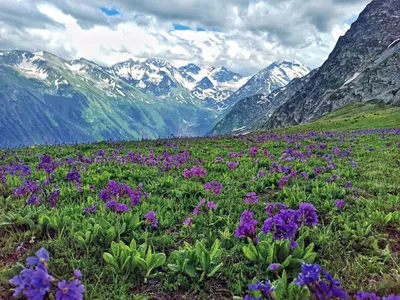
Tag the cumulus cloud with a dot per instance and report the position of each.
(243, 35)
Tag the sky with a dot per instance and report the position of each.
(242, 35)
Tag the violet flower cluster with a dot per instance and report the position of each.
(323, 287)
(114, 191)
(35, 282)
(214, 186)
(195, 171)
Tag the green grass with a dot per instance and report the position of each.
(353, 117)
(358, 244)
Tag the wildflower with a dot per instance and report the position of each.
(272, 208)
(90, 209)
(34, 200)
(77, 273)
(247, 226)
(232, 165)
(188, 222)
(214, 187)
(73, 176)
(42, 257)
(187, 173)
(251, 198)
(111, 204)
(309, 214)
(366, 296)
(348, 185)
(283, 182)
(339, 203)
(253, 151)
(283, 225)
(70, 291)
(323, 287)
(391, 297)
(274, 267)
(211, 205)
(151, 219)
(266, 288)
(293, 244)
(120, 208)
(310, 273)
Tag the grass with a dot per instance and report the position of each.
(353, 117)
(358, 244)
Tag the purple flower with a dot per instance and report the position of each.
(34, 200)
(305, 175)
(274, 267)
(187, 173)
(188, 222)
(214, 187)
(273, 208)
(251, 198)
(42, 257)
(293, 244)
(232, 165)
(309, 214)
(283, 181)
(111, 204)
(73, 176)
(323, 287)
(253, 151)
(77, 273)
(366, 296)
(283, 225)
(310, 273)
(120, 208)
(90, 209)
(265, 288)
(151, 219)
(391, 297)
(211, 205)
(247, 226)
(339, 203)
(347, 185)
(70, 291)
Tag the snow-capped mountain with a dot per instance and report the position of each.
(48, 99)
(214, 85)
(275, 76)
(162, 79)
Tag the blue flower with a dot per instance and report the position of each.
(42, 257)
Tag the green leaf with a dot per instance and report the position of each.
(215, 270)
(191, 271)
(110, 259)
(287, 261)
(214, 249)
(132, 245)
(310, 257)
(250, 252)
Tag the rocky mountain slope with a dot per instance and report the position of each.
(275, 76)
(249, 113)
(364, 66)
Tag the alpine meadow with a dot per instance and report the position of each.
(125, 176)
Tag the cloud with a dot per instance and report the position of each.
(243, 35)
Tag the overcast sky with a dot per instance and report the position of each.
(242, 35)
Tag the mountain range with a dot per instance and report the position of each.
(363, 67)
(47, 99)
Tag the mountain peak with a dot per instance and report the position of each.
(191, 68)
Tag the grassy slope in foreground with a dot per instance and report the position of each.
(353, 117)
(359, 243)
